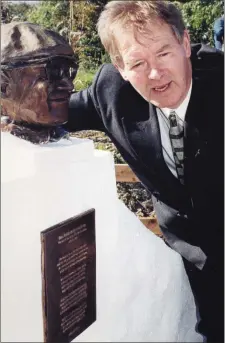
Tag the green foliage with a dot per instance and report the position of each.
(90, 51)
(199, 16)
(98, 2)
(83, 79)
(78, 23)
(52, 15)
(89, 48)
(17, 11)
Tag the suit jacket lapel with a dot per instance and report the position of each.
(143, 136)
(141, 131)
(194, 144)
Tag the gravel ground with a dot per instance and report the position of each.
(133, 195)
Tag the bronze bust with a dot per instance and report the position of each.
(37, 70)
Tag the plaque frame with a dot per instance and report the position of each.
(68, 266)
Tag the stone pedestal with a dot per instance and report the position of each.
(143, 292)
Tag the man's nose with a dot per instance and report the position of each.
(155, 74)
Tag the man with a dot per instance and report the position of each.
(218, 32)
(37, 69)
(161, 103)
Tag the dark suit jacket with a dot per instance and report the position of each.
(190, 216)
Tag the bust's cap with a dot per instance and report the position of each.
(23, 42)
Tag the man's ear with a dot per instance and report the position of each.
(187, 43)
(121, 71)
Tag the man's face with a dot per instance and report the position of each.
(39, 94)
(156, 64)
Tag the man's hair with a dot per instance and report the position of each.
(136, 15)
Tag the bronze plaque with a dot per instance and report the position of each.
(69, 277)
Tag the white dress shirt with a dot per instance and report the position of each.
(164, 129)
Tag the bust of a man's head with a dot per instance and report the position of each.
(37, 70)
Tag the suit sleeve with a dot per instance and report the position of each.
(84, 113)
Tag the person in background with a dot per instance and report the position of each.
(161, 102)
(218, 32)
(4, 13)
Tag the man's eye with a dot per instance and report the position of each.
(164, 54)
(138, 64)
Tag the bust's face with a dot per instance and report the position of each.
(39, 93)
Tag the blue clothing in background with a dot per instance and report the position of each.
(218, 31)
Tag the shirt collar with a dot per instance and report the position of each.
(181, 110)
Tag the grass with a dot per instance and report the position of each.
(83, 79)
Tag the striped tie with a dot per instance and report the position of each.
(176, 134)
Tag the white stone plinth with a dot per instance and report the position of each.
(142, 290)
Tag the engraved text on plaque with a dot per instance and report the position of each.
(69, 278)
